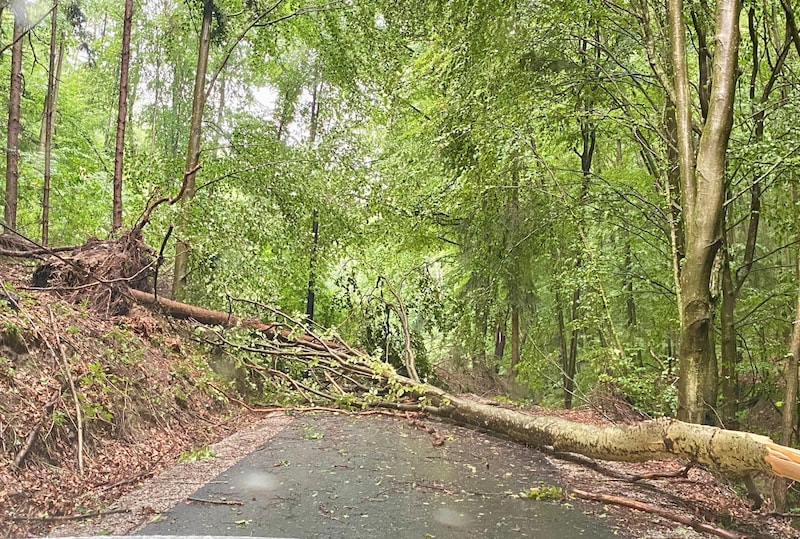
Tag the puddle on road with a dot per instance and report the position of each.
(377, 477)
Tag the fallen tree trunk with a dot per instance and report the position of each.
(730, 452)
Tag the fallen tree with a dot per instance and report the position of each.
(292, 362)
(730, 452)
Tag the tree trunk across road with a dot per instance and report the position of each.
(733, 453)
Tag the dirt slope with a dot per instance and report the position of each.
(140, 390)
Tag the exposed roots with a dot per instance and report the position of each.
(102, 271)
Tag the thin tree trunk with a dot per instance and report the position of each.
(310, 294)
(312, 139)
(570, 368)
(193, 153)
(122, 116)
(589, 140)
(562, 335)
(12, 144)
(315, 104)
(154, 118)
(728, 349)
(630, 302)
(46, 139)
(672, 182)
(174, 129)
(789, 410)
(221, 105)
(515, 341)
(511, 239)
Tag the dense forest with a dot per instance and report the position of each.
(546, 199)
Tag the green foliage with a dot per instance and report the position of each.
(543, 493)
(311, 433)
(198, 453)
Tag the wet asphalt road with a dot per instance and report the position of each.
(329, 476)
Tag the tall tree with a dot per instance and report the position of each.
(48, 120)
(702, 180)
(312, 140)
(122, 115)
(14, 96)
(193, 152)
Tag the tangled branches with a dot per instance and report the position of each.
(289, 363)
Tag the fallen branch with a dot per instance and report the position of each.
(683, 472)
(153, 204)
(34, 434)
(215, 502)
(135, 478)
(660, 511)
(64, 518)
(68, 373)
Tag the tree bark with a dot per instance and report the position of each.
(500, 337)
(46, 138)
(14, 97)
(122, 116)
(193, 152)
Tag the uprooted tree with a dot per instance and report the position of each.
(286, 360)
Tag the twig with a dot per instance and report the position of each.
(147, 473)
(145, 218)
(313, 336)
(160, 260)
(35, 253)
(68, 517)
(215, 502)
(299, 386)
(28, 444)
(23, 452)
(78, 414)
(333, 382)
(402, 314)
(683, 472)
(660, 511)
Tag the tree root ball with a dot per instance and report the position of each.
(102, 271)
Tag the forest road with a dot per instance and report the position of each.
(336, 476)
